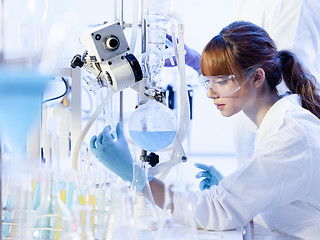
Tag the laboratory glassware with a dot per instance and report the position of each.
(168, 227)
(153, 58)
(17, 211)
(120, 221)
(157, 12)
(52, 218)
(152, 126)
(144, 208)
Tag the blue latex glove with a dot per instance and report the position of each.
(115, 155)
(192, 57)
(210, 174)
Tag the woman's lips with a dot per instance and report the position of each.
(220, 106)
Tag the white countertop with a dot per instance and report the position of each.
(223, 235)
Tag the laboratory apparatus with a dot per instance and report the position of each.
(107, 56)
(20, 100)
(52, 219)
(17, 198)
(120, 222)
(153, 126)
(56, 203)
(21, 87)
(144, 208)
(168, 229)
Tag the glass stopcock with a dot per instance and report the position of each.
(152, 126)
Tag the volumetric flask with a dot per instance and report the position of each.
(152, 126)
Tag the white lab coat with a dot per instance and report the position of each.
(280, 181)
(293, 25)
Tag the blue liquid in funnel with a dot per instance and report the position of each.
(20, 103)
(153, 141)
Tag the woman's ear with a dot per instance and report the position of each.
(258, 77)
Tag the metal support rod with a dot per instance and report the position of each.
(143, 50)
(121, 13)
(121, 106)
(115, 2)
(143, 31)
(121, 92)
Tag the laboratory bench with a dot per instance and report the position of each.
(253, 231)
(221, 235)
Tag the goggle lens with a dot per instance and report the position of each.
(224, 85)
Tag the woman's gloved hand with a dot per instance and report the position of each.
(192, 57)
(115, 155)
(210, 174)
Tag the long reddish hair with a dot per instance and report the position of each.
(243, 44)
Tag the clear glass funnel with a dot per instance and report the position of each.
(20, 100)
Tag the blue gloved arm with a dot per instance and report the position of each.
(115, 154)
(210, 174)
(192, 57)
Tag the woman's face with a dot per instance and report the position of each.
(234, 103)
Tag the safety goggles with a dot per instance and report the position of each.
(225, 85)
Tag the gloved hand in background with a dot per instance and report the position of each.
(210, 174)
(115, 155)
(192, 57)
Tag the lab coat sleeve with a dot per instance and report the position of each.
(277, 174)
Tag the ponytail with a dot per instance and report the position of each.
(300, 82)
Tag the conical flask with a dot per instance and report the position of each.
(120, 221)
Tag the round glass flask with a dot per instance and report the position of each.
(152, 126)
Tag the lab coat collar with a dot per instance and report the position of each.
(280, 106)
(294, 98)
(288, 96)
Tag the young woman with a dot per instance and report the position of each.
(241, 68)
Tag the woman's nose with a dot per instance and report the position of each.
(212, 94)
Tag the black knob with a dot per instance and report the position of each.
(153, 159)
(76, 61)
